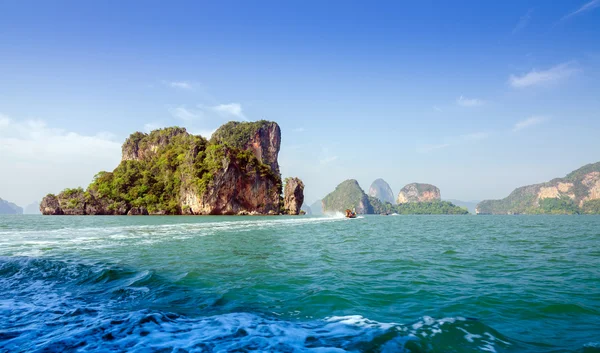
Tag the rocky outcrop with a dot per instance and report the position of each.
(293, 196)
(347, 195)
(138, 211)
(263, 138)
(139, 147)
(382, 190)
(417, 192)
(235, 189)
(9, 208)
(50, 206)
(574, 193)
(170, 171)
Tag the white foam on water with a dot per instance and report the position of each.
(35, 243)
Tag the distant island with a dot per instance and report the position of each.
(9, 208)
(172, 172)
(576, 193)
(415, 198)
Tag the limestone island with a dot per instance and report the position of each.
(576, 193)
(172, 172)
(414, 198)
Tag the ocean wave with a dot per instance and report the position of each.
(53, 305)
(143, 330)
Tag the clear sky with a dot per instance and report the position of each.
(476, 97)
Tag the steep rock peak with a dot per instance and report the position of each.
(381, 189)
(261, 137)
(293, 196)
(418, 192)
(139, 145)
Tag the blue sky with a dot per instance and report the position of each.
(476, 97)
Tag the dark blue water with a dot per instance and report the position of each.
(374, 284)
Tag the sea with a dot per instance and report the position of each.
(300, 284)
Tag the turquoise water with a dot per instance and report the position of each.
(373, 284)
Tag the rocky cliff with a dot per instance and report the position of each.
(382, 190)
(347, 195)
(417, 192)
(293, 196)
(578, 192)
(170, 171)
(9, 208)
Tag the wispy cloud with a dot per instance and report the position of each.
(476, 136)
(230, 110)
(469, 102)
(589, 6)
(437, 109)
(453, 141)
(206, 133)
(184, 113)
(326, 157)
(523, 22)
(149, 127)
(299, 129)
(30, 148)
(529, 122)
(179, 84)
(544, 77)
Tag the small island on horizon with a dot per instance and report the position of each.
(236, 172)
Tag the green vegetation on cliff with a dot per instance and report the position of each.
(425, 208)
(347, 195)
(237, 134)
(577, 193)
(159, 168)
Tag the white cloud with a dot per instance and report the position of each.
(589, 6)
(299, 129)
(523, 22)
(230, 110)
(534, 120)
(543, 77)
(42, 159)
(475, 136)
(326, 157)
(469, 102)
(327, 160)
(206, 133)
(437, 109)
(149, 127)
(179, 84)
(184, 113)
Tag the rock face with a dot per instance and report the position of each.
(417, 192)
(382, 190)
(293, 196)
(347, 195)
(170, 171)
(9, 208)
(578, 192)
(263, 138)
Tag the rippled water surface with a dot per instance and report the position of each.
(372, 284)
